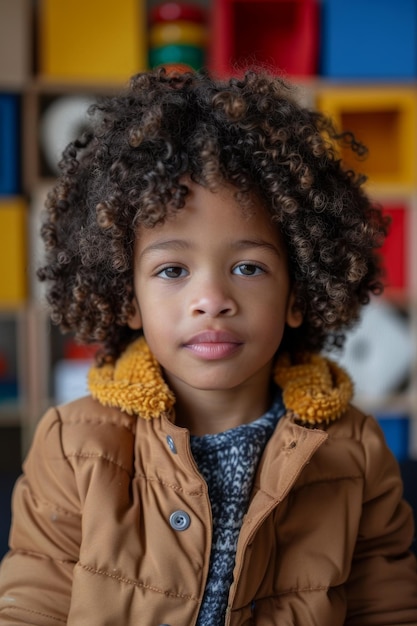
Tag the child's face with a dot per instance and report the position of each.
(213, 293)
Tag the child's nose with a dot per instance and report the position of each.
(212, 298)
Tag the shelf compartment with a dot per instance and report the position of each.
(396, 429)
(95, 40)
(9, 383)
(9, 144)
(395, 250)
(369, 40)
(281, 34)
(13, 252)
(385, 120)
(41, 95)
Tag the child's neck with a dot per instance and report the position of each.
(205, 412)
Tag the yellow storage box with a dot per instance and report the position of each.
(99, 40)
(13, 252)
(385, 120)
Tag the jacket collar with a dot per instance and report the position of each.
(314, 388)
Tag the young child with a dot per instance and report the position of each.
(207, 236)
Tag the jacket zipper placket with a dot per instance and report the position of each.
(240, 558)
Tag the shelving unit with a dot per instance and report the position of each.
(384, 118)
(15, 69)
(295, 37)
(46, 53)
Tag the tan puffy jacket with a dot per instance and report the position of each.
(324, 541)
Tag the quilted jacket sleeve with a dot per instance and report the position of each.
(382, 587)
(36, 574)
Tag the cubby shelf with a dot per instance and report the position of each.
(281, 34)
(40, 93)
(107, 43)
(385, 120)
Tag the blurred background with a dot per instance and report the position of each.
(354, 59)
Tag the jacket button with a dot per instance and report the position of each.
(179, 520)
(172, 447)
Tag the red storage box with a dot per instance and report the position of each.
(279, 34)
(395, 249)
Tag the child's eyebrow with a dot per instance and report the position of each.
(242, 244)
(166, 244)
(182, 244)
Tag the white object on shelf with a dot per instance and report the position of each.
(70, 379)
(36, 248)
(378, 352)
(63, 121)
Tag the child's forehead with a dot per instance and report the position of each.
(221, 212)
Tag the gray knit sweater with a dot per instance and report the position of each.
(228, 463)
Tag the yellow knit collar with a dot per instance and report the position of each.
(315, 389)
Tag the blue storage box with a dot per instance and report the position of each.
(369, 39)
(9, 144)
(396, 429)
(9, 390)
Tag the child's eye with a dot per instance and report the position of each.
(172, 272)
(248, 269)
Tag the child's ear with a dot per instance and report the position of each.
(294, 317)
(135, 321)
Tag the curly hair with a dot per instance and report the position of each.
(129, 169)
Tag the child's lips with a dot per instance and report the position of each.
(211, 344)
